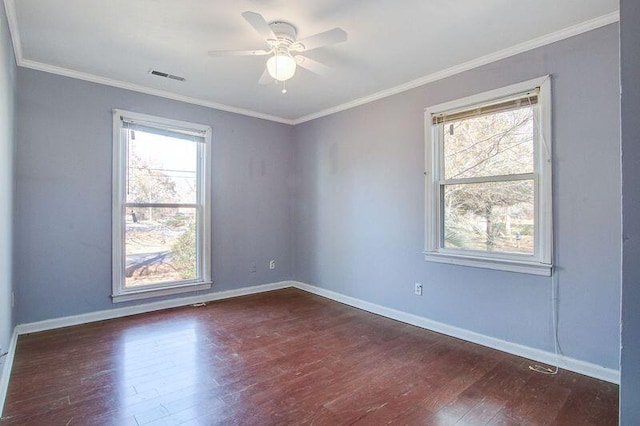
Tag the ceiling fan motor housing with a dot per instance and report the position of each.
(285, 32)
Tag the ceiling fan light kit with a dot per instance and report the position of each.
(281, 39)
(281, 66)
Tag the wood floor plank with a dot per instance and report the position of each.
(284, 357)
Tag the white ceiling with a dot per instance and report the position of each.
(392, 45)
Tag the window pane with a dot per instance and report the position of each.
(489, 145)
(495, 216)
(161, 169)
(160, 245)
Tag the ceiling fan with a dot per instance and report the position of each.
(284, 48)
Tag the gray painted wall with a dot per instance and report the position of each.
(360, 206)
(630, 135)
(63, 194)
(7, 102)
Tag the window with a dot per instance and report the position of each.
(161, 206)
(488, 180)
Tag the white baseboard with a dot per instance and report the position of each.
(145, 307)
(5, 372)
(572, 364)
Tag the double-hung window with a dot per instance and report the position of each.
(161, 206)
(488, 180)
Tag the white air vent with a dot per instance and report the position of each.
(166, 75)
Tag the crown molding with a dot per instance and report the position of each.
(26, 63)
(565, 33)
(12, 19)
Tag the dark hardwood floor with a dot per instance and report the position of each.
(284, 357)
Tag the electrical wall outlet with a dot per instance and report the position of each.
(272, 264)
(418, 289)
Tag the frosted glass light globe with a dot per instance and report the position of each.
(281, 67)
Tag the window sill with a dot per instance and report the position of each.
(521, 266)
(157, 292)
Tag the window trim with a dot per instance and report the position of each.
(203, 207)
(540, 263)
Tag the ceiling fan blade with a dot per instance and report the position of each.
(311, 65)
(265, 78)
(336, 35)
(258, 23)
(238, 52)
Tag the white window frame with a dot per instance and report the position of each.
(540, 263)
(203, 206)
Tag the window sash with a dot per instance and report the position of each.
(494, 253)
(200, 271)
(485, 179)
